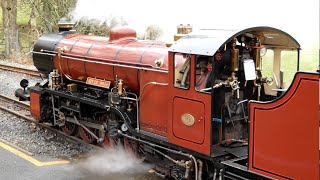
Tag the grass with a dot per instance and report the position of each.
(309, 61)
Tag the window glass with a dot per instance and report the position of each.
(203, 74)
(267, 64)
(182, 71)
(288, 66)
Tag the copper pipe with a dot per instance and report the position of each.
(192, 158)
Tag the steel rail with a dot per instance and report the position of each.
(19, 70)
(21, 104)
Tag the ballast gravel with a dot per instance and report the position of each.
(28, 136)
(37, 140)
(10, 81)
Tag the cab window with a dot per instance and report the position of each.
(182, 65)
(289, 64)
(203, 74)
(267, 63)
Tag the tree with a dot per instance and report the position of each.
(9, 15)
(33, 33)
(47, 14)
(153, 32)
(50, 12)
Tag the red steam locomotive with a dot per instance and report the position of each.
(200, 109)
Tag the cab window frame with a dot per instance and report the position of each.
(186, 57)
(197, 58)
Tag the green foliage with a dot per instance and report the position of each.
(46, 20)
(267, 64)
(98, 28)
(50, 12)
(23, 13)
(309, 61)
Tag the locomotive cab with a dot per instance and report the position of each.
(213, 74)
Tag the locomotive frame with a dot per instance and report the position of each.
(185, 107)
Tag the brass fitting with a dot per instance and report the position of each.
(257, 58)
(60, 51)
(234, 56)
(120, 86)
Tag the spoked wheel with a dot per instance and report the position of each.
(86, 136)
(107, 141)
(109, 124)
(132, 148)
(70, 128)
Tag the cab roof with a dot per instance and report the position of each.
(209, 41)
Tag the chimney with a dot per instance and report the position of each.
(182, 30)
(65, 25)
(187, 29)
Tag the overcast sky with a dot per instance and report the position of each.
(298, 18)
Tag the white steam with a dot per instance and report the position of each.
(112, 163)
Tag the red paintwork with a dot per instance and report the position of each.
(178, 133)
(35, 105)
(284, 134)
(154, 103)
(194, 133)
(122, 48)
(122, 32)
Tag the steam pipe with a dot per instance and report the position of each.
(71, 56)
(138, 99)
(185, 165)
(137, 103)
(92, 58)
(149, 83)
(166, 156)
(167, 149)
(134, 66)
(127, 98)
(195, 166)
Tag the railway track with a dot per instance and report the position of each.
(19, 70)
(22, 110)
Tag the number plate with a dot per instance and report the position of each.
(98, 82)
